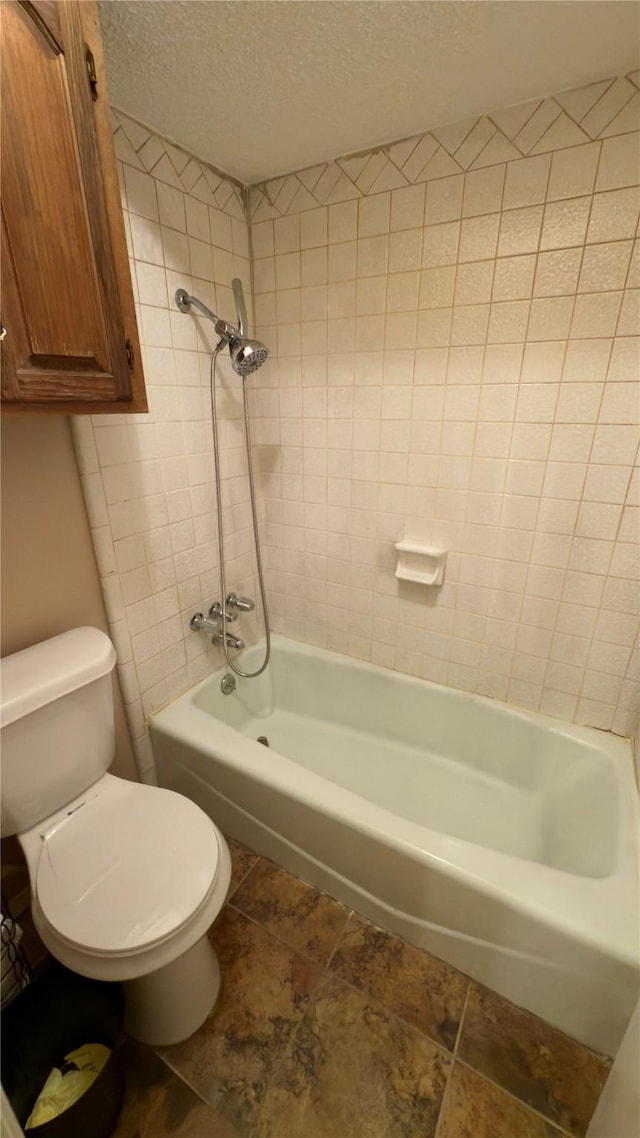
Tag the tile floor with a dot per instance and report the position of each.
(328, 1027)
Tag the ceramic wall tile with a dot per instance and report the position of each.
(151, 492)
(505, 267)
(494, 255)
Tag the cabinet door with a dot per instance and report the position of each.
(71, 342)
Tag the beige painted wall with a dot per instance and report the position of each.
(49, 576)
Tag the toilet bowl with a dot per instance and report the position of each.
(126, 878)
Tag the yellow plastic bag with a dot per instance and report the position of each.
(61, 1090)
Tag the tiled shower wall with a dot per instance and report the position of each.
(453, 326)
(455, 322)
(148, 479)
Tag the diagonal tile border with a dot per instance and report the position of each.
(570, 118)
(540, 126)
(140, 147)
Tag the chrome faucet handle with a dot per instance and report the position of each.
(201, 623)
(215, 613)
(211, 625)
(231, 640)
(244, 604)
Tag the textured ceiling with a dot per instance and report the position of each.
(263, 87)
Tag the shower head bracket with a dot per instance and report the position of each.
(246, 355)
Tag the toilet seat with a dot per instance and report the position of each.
(125, 867)
(126, 879)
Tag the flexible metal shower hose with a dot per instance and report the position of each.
(254, 519)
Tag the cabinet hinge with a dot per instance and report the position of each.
(129, 348)
(91, 72)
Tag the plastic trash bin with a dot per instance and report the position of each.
(57, 1013)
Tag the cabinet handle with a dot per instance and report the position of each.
(91, 72)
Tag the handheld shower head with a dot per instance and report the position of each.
(246, 355)
(241, 308)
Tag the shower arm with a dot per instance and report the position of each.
(226, 331)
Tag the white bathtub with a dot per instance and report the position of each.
(503, 842)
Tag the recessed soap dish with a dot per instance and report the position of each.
(420, 563)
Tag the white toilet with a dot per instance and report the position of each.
(125, 878)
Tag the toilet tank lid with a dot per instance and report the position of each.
(37, 675)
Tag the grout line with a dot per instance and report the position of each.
(389, 933)
(179, 1075)
(323, 974)
(462, 1018)
(155, 132)
(381, 148)
(376, 1003)
(232, 891)
(538, 100)
(454, 1056)
(286, 944)
(339, 941)
(325, 971)
(326, 974)
(519, 387)
(429, 956)
(545, 1118)
(450, 663)
(445, 1098)
(587, 466)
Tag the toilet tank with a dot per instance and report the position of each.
(56, 724)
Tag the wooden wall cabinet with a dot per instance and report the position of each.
(70, 340)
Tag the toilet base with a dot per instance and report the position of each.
(168, 1005)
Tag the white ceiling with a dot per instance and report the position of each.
(264, 87)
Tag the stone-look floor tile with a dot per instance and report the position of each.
(242, 860)
(157, 1104)
(265, 991)
(474, 1108)
(295, 912)
(354, 1071)
(538, 1064)
(419, 989)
